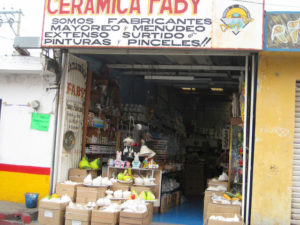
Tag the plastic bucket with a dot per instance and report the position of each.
(31, 200)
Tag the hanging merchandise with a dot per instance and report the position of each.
(128, 152)
(149, 155)
(242, 102)
(235, 105)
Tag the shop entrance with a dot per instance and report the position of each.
(194, 111)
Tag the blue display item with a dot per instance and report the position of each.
(31, 200)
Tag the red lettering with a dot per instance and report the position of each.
(61, 7)
(176, 8)
(102, 4)
(119, 8)
(135, 8)
(113, 10)
(78, 91)
(73, 90)
(151, 6)
(195, 6)
(89, 7)
(69, 88)
(166, 7)
(76, 6)
(49, 8)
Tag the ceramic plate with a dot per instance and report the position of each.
(124, 182)
(88, 185)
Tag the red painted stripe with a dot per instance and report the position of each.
(25, 169)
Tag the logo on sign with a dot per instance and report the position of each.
(235, 18)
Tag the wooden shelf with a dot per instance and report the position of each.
(101, 144)
(143, 169)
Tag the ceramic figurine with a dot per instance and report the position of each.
(127, 151)
(136, 162)
(127, 164)
(152, 164)
(118, 161)
(145, 162)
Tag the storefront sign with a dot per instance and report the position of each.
(153, 23)
(282, 31)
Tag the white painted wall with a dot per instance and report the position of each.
(20, 85)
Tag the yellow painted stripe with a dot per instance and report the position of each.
(13, 186)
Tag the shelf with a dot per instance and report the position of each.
(105, 153)
(101, 144)
(134, 168)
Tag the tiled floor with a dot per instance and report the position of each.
(189, 213)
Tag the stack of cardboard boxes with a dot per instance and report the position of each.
(51, 213)
(100, 217)
(89, 194)
(218, 209)
(129, 218)
(54, 213)
(77, 216)
(168, 201)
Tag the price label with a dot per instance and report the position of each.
(48, 214)
(76, 222)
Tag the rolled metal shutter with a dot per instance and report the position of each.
(295, 216)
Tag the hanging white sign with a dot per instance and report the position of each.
(207, 24)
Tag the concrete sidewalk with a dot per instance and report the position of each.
(16, 212)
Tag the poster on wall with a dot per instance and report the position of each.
(197, 24)
(282, 31)
(40, 121)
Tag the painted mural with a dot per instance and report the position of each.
(282, 31)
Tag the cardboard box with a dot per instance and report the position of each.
(225, 215)
(207, 197)
(163, 204)
(89, 194)
(100, 217)
(77, 216)
(217, 183)
(139, 189)
(51, 213)
(178, 198)
(127, 218)
(150, 210)
(120, 186)
(78, 175)
(213, 208)
(67, 189)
